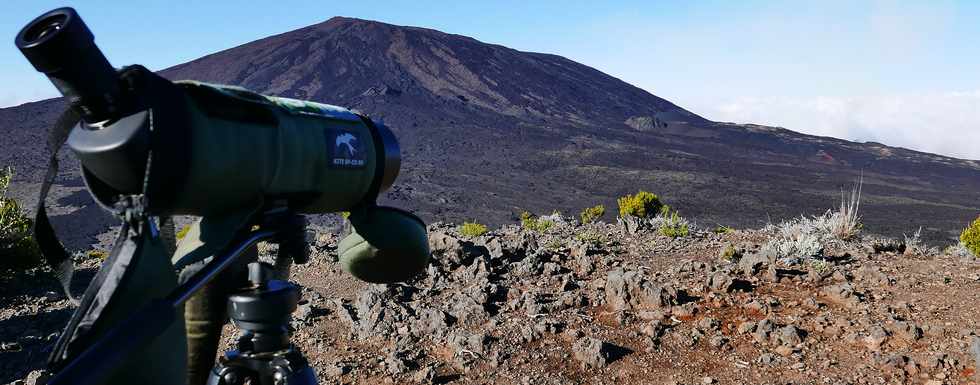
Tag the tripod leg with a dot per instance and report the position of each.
(206, 313)
(304, 376)
(283, 267)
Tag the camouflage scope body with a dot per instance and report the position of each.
(203, 149)
(223, 152)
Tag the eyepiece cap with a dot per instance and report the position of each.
(54, 38)
(59, 44)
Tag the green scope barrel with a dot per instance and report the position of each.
(203, 149)
(219, 148)
(320, 158)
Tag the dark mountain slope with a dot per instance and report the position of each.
(487, 131)
(420, 75)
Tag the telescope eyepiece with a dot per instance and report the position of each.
(59, 44)
(51, 40)
(47, 27)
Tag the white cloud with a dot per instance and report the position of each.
(946, 123)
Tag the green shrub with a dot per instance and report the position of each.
(951, 249)
(731, 254)
(591, 237)
(970, 238)
(641, 205)
(472, 229)
(545, 224)
(674, 231)
(818, 265)
(17, 247)
(674, 226)
(533, 223)
(722, 229)
(554, 244)
(100, 254)
(527, 219)
(592, 214)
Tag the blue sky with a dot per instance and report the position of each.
(902, 73)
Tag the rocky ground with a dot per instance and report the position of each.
(593, 304)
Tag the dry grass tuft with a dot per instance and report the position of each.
(845, 223)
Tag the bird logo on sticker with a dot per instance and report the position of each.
(347, 152)
(348, 140)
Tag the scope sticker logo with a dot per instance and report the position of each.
(348, 150)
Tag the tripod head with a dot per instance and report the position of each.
(262, 311)
(264, 354)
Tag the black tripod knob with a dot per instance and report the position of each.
(262, 312)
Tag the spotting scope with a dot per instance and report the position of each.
(218, 147)
(249, 165)
(192, 148)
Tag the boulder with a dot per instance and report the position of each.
(905, 330)
(591, 352)
(754, 263)
(875, 338)
(788, 335)
(629, 290)
(842, 294)
(720, 281)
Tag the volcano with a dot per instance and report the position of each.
(488, 131)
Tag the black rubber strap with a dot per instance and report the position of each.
(59, 353)
(168, 234)
(52, 250)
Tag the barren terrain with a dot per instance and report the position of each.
(591, 304)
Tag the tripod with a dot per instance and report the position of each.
(264, 355)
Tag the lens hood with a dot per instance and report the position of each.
(386, 245)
